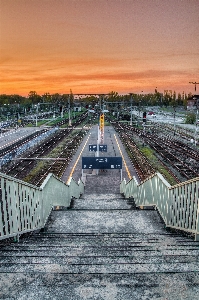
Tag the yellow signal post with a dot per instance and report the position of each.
(101, 128)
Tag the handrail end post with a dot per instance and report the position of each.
(197, 237)
(16, 238)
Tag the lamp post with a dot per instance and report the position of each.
(69, 119)
(141, 102)
(131, 108)
(36, 114)
(174, 116)
(196, 125)
(100, 103)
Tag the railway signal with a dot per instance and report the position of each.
(101, 128)
(144, 116)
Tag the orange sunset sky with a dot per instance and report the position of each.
(98, 46)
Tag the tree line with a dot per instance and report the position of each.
(151, 99)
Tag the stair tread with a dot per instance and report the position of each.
(103, 268)
(105, 221)
(61, 286)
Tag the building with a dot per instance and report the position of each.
(193, 102)
(77, 107)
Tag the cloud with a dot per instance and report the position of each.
(49, 76)
(4, 59)
(93, 75)
(117, 76)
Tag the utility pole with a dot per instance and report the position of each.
(174, 116)
(196, 128)
(69, 119)
(100, 103)
(36, 115)
(194, 83)
(131, 108)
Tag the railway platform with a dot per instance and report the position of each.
(106, 179)
(13, 135)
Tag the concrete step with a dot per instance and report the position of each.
(134, 258)
(97, 251)
(105, 221)
(100, 244)
(101, 197)
(107, 182)
(64, 286)
(166, 238)
(101, 253)
(93, 204)
(101, 268)
(106, 265)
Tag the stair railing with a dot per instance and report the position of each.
(178, 205)
(25, 207)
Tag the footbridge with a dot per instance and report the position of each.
(91, 235)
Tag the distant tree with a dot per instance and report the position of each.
(34, 97)
(56, 97)
(91, 100)
(113, 96)
(184, 103)
(12, 99)
(167, 100)
(179, 97)
(64, 98)
(174, 96)
(71, 98)
(190, 118)
(173, 103)
(4, 99)
(189, 95)
(46, 97)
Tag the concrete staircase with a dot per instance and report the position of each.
(101, 248)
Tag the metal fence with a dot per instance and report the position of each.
(25, 207)
(178, 205)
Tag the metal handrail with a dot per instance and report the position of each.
(178, 205)
(25, 207)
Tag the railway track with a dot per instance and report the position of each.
(21, 142)
(183, 134)
(58, 165)
(173, 152)
(139, 161)
(176, 156)
(21, 168)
